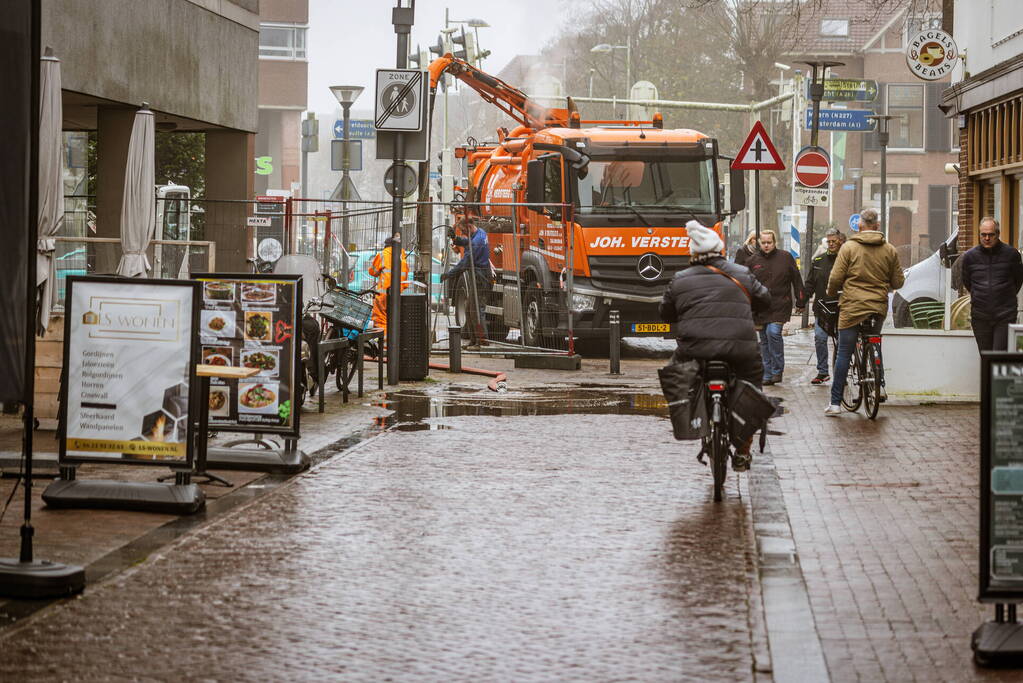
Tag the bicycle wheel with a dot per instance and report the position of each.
(871, 381)
(346, 366)
(718, 458)
(853, 394)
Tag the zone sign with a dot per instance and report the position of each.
(400, 100)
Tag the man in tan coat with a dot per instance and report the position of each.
(867, 268)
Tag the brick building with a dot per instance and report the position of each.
(283, 83)
(871, 44)
(985, 103)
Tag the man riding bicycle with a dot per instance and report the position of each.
(867, 268)
(713, 301)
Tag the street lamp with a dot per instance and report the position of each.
(882, 141)
(346, 96)
(607, 47)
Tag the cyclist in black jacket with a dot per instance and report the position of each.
(714, 309)
(993, 274)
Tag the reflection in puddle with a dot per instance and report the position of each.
(412, 409)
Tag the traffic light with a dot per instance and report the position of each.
(460, 40)
(420, 59)
(310, 133)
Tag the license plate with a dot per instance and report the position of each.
(651, 327)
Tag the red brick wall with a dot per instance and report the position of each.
(966, 195)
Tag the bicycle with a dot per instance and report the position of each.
(345, 315)
(863, 384)
(717, 377)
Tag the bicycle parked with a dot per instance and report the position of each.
(345, 315)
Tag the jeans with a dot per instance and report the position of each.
(772, 350)
(820, 342)
(992, 335)
(846, 346)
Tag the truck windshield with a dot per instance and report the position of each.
(650, 186)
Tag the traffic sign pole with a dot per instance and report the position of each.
(756, 222)
(402, 18)
(816, 94)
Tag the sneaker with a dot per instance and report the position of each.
(833, 410)
(768, 381)
(741, 462)
(776, 379)
(821, 378)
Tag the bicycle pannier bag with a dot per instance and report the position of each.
(683, 390)
(750, 411)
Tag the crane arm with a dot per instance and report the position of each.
(508, 99)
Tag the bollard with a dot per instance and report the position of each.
(454, 349)
(614, 322)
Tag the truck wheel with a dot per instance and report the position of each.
(535, 320)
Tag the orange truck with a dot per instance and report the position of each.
(584, 217)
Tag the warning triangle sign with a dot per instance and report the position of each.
(758, 152)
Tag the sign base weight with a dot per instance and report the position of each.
(998, 644)
(40, 579)
(278, 460)
(171, 499)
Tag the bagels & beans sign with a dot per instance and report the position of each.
(931, 54)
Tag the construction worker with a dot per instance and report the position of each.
(381, 270)
(475, 263)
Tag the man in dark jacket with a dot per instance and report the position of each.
(825, 319)
(714, 316)
(777, 271)
(992, 274)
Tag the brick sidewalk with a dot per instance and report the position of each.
(885, 519)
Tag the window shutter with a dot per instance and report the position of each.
(870, 142)
(938, 228)
(936, 125)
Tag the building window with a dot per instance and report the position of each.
(924, 22)
(282, 41)
(835, 28)
(906, 102)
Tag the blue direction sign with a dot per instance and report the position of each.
(854, 222)
(854, 120)
(358, 129)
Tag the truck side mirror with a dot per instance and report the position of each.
(737, 187)
(534, 183)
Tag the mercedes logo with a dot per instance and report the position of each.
(650, 267)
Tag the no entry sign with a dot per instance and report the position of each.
(812, 167)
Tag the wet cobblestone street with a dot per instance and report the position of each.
(480, 548)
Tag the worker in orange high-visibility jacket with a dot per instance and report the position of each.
(381, 270)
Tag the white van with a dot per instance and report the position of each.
(926, 281)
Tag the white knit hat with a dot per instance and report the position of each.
(703, 240)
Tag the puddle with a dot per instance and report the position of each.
(413, 409)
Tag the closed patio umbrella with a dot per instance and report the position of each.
(138, 208)
(51, 181)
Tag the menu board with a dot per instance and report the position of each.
(130, 346)
(249, 321)
(1001, 544)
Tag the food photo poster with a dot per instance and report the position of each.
(250, 322)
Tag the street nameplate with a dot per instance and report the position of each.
(847, 90)
(258, 221)
(848, 120)
(358, 129)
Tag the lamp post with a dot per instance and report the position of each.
(592, 71)
(607, 47)
(882, 141)
(346, 96)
